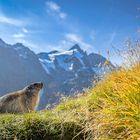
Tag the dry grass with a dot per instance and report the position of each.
(115, 105)
(109, 111)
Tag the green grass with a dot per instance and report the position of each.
(38, 126)
(109, 111)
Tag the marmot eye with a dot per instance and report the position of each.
(31, 87)
(35, 84)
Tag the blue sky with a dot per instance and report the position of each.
(45, 25)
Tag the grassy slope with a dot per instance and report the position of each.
(111, 110)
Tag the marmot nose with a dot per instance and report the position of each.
(41, 84)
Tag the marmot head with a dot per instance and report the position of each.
(34, 88)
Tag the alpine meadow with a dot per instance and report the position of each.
(69, 70)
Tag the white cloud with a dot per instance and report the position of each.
(74, 38)
(69, 40)
(22, 34)
(25, 30)
(11, 21)
(19, 35)
(53, 6)
(62, 15)
(92, 35)
(54, 9)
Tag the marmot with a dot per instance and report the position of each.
(21, 101)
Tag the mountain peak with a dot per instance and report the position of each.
(52, 52)
(1, 40)
(21, 47)
(2, 43)
(19, 44)
(76, 47)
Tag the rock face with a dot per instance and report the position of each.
(19, 67)
(63, 73)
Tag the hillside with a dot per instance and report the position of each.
(111, 110)
(20, 67)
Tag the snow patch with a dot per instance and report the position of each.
(47, 65)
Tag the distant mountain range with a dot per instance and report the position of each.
(63, 73)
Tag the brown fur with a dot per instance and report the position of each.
(21, 101)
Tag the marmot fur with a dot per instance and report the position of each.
(21, 101)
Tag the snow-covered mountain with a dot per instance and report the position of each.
(73, 70)
(63, 73)
(73, 61)
(70, 60)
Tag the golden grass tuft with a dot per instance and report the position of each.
(115, 105)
